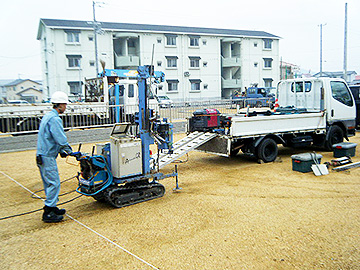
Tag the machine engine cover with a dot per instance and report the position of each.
(126, 156)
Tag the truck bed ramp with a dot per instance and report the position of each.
(185, 145)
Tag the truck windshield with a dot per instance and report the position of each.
(341, 93)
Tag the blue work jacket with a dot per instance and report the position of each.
(51, 137)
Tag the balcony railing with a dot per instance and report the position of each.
(231, 83)
(124, 61)
(231, 62)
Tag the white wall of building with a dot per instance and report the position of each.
(55, 48)
(209, 70)
(253, 54)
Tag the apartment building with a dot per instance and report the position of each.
(199, 63)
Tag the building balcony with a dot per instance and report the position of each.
(230, 83)
(231, 62)
(125, 61)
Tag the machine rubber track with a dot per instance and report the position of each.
(132, 193)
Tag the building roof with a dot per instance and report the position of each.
(18, 81)
(71, 24)
(5, 82)
(335, 74)
(28, 89)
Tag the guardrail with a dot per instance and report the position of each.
(82, 116)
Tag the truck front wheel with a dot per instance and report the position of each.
(335, 135)
(267, 150)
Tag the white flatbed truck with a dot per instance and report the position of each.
(312, 111)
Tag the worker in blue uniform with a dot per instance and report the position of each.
(51, 142)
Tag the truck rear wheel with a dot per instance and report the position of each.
(267, 150)
(335, 135)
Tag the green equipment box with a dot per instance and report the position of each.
(303, 162)
(344, 149)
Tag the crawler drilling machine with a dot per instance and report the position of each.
(123, 172)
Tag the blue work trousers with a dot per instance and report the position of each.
(51, 180)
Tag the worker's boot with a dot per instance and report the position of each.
(49, 215)
(59, 211)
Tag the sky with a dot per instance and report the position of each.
(296, 22)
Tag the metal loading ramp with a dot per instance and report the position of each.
(185, 145)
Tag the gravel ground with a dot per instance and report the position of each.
(230, 214)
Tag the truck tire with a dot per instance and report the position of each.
(267, 150)
(335, 135)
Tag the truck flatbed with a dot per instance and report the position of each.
(259, 125)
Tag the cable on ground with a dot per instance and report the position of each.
(87, 227)
(35, 196)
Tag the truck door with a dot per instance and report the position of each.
(341, 102)
(355, 90)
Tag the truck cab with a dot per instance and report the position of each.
(355, 90)
(330, 95)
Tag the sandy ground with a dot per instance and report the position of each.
(230, 214)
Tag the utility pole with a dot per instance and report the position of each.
(345, 45)
(95, 39)
(321, 26)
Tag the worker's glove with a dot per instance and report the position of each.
(76, 154)
(63, 154)
(65, 151)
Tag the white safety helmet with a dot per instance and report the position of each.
(59, 97)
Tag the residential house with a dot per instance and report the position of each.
(338, 74)
(20, 89)
(288, 71)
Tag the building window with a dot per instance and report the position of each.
(268, 82)
(172, 85)
(268, 44)
(72, 36)
(73, 60)
(171, 61)
(75, 88)
(195, 85)
(194, 61)
(171, 40)
(268, 62)
(194, 41)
